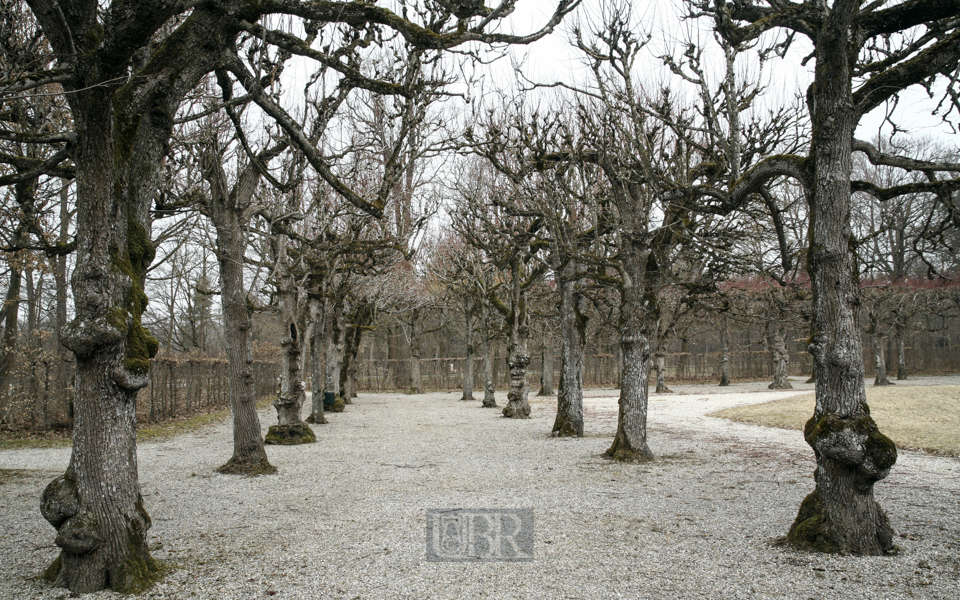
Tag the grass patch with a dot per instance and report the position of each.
(915, 417)
(17, 440)
(8, 475)
(146, 432)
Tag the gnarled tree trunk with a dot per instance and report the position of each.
(841, 514)
(290, 428)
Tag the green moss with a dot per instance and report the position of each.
(290, 435)
(248, 468)
(51, 573)
(811, 529)
(879, 449)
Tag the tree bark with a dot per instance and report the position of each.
(468, 373)
(573, 329)
(11, 333)
(334, 353)
(489, 397)
(317, 351)
(879, 361)
(249, 456)
(841, 514)
(630, 443)
(290, 429)
(96, 505)
(901, 354)
(518, 357)
(725, 352)
(415, 347)
(780, 357)
(660, 367)
(683, 359)
(546, 369)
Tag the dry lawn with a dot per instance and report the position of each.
(915, 417)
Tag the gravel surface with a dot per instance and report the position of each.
(345, 517)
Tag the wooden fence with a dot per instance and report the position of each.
(38, 400)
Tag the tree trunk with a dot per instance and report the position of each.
(489, 397)
(415, 341)
(546, 369)
(290, 429)
(249, 456)
(518, 357)
(879, 362)
(96, 505)
(352, 338)
(660, 366)
(630, 443)
(225, 211)
(725, 352)
(901, 354)
(334, 355)
(573, 329)
(468, 373)
(11, 334)
(779, 356)
(683, 359)
(841, 514)
(60, 279)
(317, 348)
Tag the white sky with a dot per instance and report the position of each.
(552, 59)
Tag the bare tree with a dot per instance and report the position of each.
(864, 56)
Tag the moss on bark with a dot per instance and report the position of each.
(236, 466)
(290, 435)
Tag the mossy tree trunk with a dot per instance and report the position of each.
(362, 317)
(841, 514)
(573, 330)
(229, 211)
(96, 505)
(518, 354)
(637, 322)
(122, 125)
(290, 428)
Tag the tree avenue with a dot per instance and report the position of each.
(125, 69)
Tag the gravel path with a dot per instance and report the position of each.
(345, 518)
